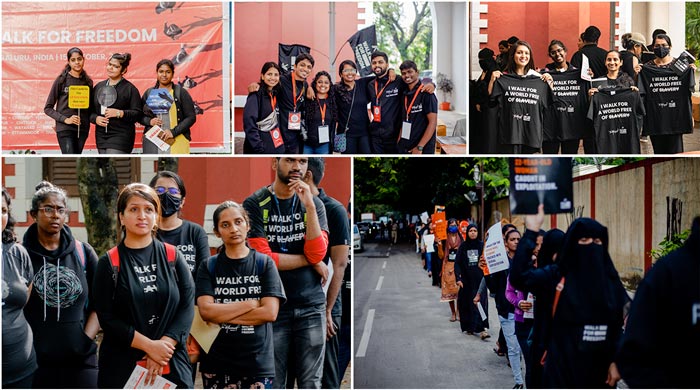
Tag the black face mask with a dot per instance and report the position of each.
(661, 51)
(169, 204)
(487, 65)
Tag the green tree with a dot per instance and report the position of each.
(98, 188)
(412, 43)
(692, 28)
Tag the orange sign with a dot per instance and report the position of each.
(37, 36)
(78, 96)
(440, 222)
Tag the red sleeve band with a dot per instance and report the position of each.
(261, 245)
(315, 250)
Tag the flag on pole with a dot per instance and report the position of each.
(364, 43)
(288, 55)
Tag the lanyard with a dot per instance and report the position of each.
(273, 101)
(405, 102)
(379, 93)
(294, 91)
(323, 110)
(283, 244)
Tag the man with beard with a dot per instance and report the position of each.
(385, 96)
(419, 114)
(288, 223)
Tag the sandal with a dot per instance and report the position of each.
(453, 319)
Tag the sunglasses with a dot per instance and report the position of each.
(160, 190)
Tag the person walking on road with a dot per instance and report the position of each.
(449, 281)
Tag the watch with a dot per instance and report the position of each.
(420, 148)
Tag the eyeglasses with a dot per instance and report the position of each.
(51, 210)
(349, 70)
(171, 190)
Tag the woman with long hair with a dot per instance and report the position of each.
(72, 125)
(261, 114)
(352, 99)
(144, 297)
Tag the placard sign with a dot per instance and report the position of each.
(78, 96)
(495, 251)
(535, 181)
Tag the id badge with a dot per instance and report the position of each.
(276, 137)
(324, 134)
(294, 121)
(377, 114)
(406, 130)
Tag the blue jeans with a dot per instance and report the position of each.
(508, 326)
(321, 149)
(427, 261)
(303, 331)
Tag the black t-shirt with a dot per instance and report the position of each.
(566, 118)
(144, 266)
(283, 223)
(313, 122)
(192, 242)
(246, 350)
(425, 103)
(389, 102)
(667, 100)
(359, 120)
(617, 117)
(346, 293)
(523, 101)
(339, 233)
(285, 100)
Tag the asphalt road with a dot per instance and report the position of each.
(402, 334)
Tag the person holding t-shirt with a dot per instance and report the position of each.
(419, 114)
(288, 223)
(241, 290)
(523, 100)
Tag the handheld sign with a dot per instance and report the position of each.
(159, 101)
(495, 251)
(535, 181)
(106, 96)
(78, 97)
(440, 221)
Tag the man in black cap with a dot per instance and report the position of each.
(596, 55)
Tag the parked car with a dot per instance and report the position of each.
(364, 228)
(357, 242)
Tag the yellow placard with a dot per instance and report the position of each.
(78, 96)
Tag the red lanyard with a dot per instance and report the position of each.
(379, 93)
(405, 102)
(323, 111)
(294, 91)
(273, 101)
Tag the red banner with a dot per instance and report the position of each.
(37, 35)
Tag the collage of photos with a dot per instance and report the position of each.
(350, 195)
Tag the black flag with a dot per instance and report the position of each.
(363, 43)
(288, 55)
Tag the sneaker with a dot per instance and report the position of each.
(518, 386)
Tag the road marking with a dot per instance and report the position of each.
(362, 350)
(384, 265)
(379, 283)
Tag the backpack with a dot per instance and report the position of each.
(259, 263)
(80, 248)
(113, 254)
(264, 199)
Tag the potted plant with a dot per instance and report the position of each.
(446, 86)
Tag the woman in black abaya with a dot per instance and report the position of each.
(469, 277)
(588, 318)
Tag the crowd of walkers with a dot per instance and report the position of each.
(606, 100)
(116, 106)
(264, 287)
(286, 114)
(566, 319)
